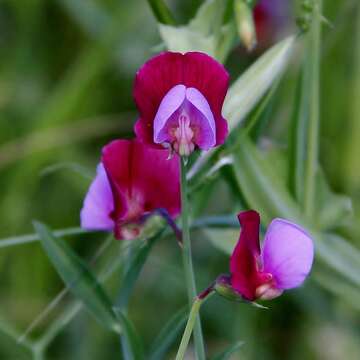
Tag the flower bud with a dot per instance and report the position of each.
(223, 288)
(245, 24)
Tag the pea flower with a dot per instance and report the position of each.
(284, 261)
(180, 98)
(132, 181)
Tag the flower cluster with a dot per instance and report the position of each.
(180, 99)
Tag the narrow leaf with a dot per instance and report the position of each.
(168, 335)
(223, 239)
(249, 88)
(226, 354)
(130, 341)
(29, 238)
(78, 277)
(298, 141)
(74, 167)
(204, 32)
(135, 265)
(332, 210)
(253, 84)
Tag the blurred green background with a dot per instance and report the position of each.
(66, 74)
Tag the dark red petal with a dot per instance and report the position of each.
(142, 179)
(144, 133)
(243, 261)
(157, 178)
(163, 72)
(154, 79)
(116, 158)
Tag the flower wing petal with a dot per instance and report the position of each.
(168, 106)
(210, 77)
(202, 119)
(98, 203)
(288, 253)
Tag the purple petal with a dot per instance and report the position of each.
(98, 203)
(202, 118)
(288, 253)
(169, 104)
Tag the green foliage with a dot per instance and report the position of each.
(205, 32)
(78, 277)
(280, 159)
(168, 334)
(227, 353)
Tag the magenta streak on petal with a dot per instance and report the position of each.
(288, 253)
(98, 204)
(205, 137)
(169, 104)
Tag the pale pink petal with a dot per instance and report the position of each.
(202, 119)
(98, 204)
(288, 253)
(168, 106)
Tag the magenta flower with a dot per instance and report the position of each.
(132, 181)
(283, 263)
(180, 97)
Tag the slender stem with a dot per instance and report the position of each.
(314, 111)
(189, 328)
(187, 260)
(161, 12)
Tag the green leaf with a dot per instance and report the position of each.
(204, 32)
(298, 142)
(225, 355)
(168, 335)
(76, 168)
(332, 209)
(25, 239)
(251, 86)
(135, 265)
(262, 189)
(132, 347)
(78, 277)
(161, 11)
(338, 287)
(223, 239)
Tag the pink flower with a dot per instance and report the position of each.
(283, 263)
(180, 97)
(132, 180)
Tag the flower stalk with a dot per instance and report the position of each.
(314, 47)
(189, 272)
(193, 316)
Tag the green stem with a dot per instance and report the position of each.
(314, 111)
(161, 12)
(187, 260)
(193, 316)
